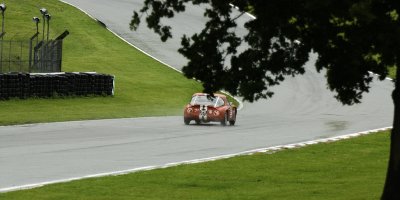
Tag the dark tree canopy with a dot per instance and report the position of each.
(352, 38)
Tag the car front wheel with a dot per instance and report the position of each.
(187, 121)
(225, 121)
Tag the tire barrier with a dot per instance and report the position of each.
(25, 85)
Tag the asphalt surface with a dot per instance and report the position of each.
(302, 109)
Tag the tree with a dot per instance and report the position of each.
(351, 37)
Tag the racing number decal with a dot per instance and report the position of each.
(203, 113)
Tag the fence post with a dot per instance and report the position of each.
(9, 57)
(1, 56)
(31, 46)
(20, 59)
(30, 56)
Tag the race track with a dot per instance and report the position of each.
(302, 109)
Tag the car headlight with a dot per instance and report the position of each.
(189, 110)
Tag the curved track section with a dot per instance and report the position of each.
(302, 109)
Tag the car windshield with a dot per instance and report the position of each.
(206, 100)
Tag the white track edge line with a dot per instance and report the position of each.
(240, 102)
(272, 149)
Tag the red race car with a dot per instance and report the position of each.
(207, 108)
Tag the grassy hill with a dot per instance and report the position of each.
(144, 87)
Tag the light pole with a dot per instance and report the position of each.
(36, 20)
(3, 9)
(44, 12)
(48, 17)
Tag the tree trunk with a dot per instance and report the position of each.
(392, 184)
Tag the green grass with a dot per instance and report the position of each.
(348, 169)
(144, 87)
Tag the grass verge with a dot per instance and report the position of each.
(347, 169)
(144, 87)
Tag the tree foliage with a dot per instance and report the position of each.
(352, 38)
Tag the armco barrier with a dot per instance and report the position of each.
(24, 85)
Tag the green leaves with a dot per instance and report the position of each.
(133, 25)
(343, 33)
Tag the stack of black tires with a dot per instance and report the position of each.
(14, 85)
(24, 85)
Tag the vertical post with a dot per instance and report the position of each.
(43, 49)
(59, 55)
(48, 46)
(36, 20)
(9, 57)
(48, 17)
(3, 9)
(44, 12)
(1, 48)
(43, 29)
(20, 59)
(30, 56)
(37, 29)
(2, 22)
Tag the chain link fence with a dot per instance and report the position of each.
(31, 56)
(47, 57)
(14, 56)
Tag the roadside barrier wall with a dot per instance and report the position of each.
(26, 85)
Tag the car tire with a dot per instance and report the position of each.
(232, 123)
(197, 122)
(225, 120)
(187, 121)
